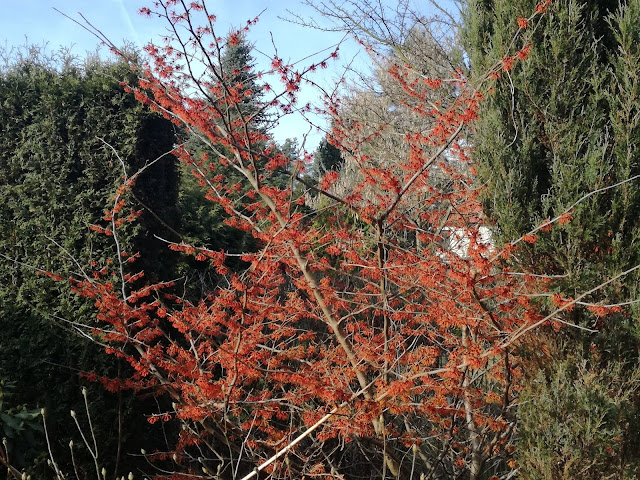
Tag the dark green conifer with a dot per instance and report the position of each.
(327, 157)
(560, 126)
(65, 127)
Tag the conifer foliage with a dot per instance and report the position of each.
(339, 350)
(558, 138)
(67, 132)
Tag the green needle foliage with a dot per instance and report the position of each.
(561, 125)
(66, 129)
(327, 157)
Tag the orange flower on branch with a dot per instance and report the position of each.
(546, 226)
(565, 218)
(524, 52)
(604, 310)
(542, 7)
(507, 63)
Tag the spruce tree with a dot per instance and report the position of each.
(559, 127)
(202, 221)
(237, 67)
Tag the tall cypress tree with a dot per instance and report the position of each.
(563, 124)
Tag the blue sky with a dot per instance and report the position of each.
(38, 22)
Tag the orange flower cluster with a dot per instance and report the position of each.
(376, 316)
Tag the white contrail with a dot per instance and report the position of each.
(127, 18)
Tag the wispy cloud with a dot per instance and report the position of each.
(127, 19)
